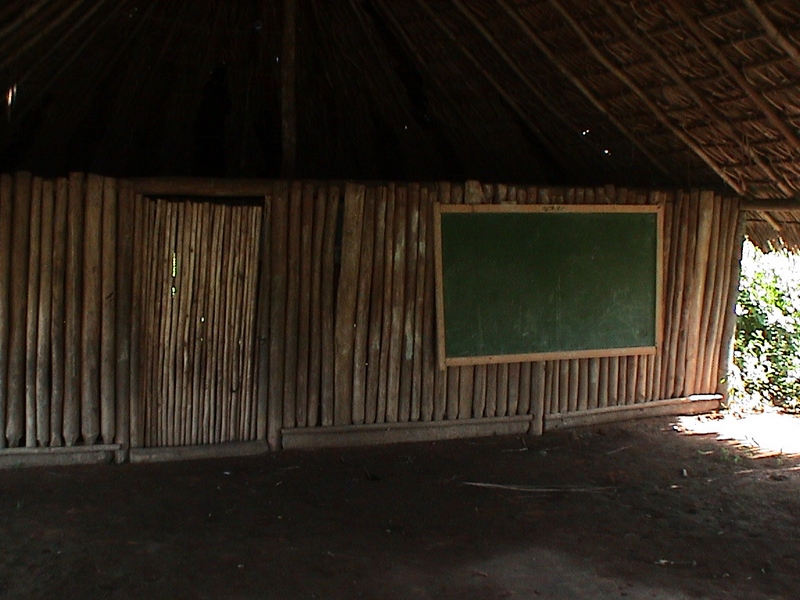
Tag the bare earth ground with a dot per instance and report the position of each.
(639, 510)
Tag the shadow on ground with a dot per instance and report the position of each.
(634, 511)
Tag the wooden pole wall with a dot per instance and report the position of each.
(327, 317)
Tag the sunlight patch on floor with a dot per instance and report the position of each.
(769, 433)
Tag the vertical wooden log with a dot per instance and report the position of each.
(538, 399)
(430, 366)
(202, 331)
(440, 392)
(583, 384)
(633, 377)
(525, 374)
(710, 301)
(479, 392)
(6, 216)
(388, 294)
(593, 394)
(613, 382)
(729, 325)
(602, 383)
(137, 398)
(491, 390)
(152, 313)
(277, 328)
(126, 226)
(513, 389)
(361, 325)
(44, 376)
(409, 300)
(622, 380)
(419, 307)
(397, 305)
(502, 390)
(376, 320)
(20, 244)
(717, 291)
(92, 295)
(573, 385)
(32, 316)
(328, 316)
(315, 350)
(346, 302)
(304, 325)
(263, 317)
(184, 276)
(688, 260)
(551, 375)
(677, 226)
(250, 426)
(108, 333)
(292, 307)
(288, 89)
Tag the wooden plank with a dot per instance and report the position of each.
(583, 384)
(292, 306)
(622, 381)
(538, 403)
(315, 350)
(20, 243)
(32, 317)
(92, 300)
(602, 384)
(304, 313)
(277, 342)
(108, 318)
(263, 318)
(593, 400)
(147, 306)
(346, 302)
(551, 393)
(479, 391)
(397, 305)
(6, 216)
(328, 314)
(124, 271)
(361, 325)
(44, 375)
(409, 304)
(388, 293)
(376, 316)
(58, 316)
(613, 382)
(138, 311)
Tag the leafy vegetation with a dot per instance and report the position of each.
(767, 345)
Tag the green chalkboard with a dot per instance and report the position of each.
(541, 282)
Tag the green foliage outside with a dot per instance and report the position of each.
(767, 346)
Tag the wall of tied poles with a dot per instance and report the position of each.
(330, 321)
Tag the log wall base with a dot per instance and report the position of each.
(64, 456)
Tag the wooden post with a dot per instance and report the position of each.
(729, 325)
(288, 89)
(409, 306)
(277, 329)
(6, 215)
(305, 309)
(428, 339)
(315, 351)
(20, 233)
(386, 324)
(397, 305)
(361, 324)
(137, 316)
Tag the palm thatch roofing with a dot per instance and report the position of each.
(700, 93)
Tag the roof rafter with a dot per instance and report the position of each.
(737, 76)
(526, 28)
(774, 34)
(657, 112)
(701, 102)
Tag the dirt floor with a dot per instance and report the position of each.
(636, 511)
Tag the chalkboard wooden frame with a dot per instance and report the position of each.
(441, 210)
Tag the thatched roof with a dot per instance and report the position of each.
(701, 93)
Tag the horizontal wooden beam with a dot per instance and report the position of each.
(779, 205)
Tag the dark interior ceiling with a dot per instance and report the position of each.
(629, 92)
